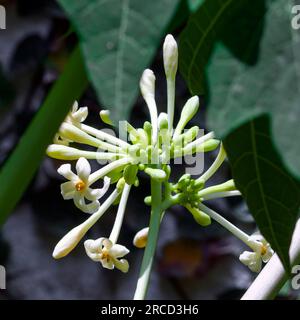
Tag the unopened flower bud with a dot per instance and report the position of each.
(156, 174)
(163, 121)
(188, 111)
(147, 83)
(105, 117)
(200, 217)
(170, 52)
(69, 241)
(140, 239)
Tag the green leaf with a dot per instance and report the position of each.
(194, 4)
(20, 167)
(272, 195)
(119, 39)
(229, 21)
(272, 86)
(263, 80)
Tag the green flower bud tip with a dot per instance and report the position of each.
(105, 117)
(170, 53)
(189, 110)
(136, 182)
(163, 121)
(148, 129)
(121, 184)
(141, 167)
(200, 217)
(130, 173)
(190, 135)
(156, 174)
(199, 184)
(228, 186)
(143, 136)
(148, 200)
(185, 177)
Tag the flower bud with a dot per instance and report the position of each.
(148, 200)
(62, 152)
(105, 117)
(121, 184)
(147, 83)
(156, 174)
(163, 121)
(69, 241)
(130, 173)
(200, 217)
(170, 52)
(73, 133)
(140, 239)
(188, 111)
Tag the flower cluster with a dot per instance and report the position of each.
(148, 149)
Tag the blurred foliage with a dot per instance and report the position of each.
(119, 40)
(254, 72)
(6, 91)
(18, 170)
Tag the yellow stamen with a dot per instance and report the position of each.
(263, 250)
(80, 185)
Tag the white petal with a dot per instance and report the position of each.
(81, 114)
(98, 244)
(95, 194)
(246, 257)
(108, 264)
(122, 265)
(268, 255)
(118, 251)
(252, 260)
(81, 204)
(67, 190)
(83, 169)
(92, 251)
(75, 106)
(93, 246)
(65, 171)
(255, 266)
(107, 244)
(92, 207)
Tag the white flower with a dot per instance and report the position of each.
(109, 254)
(78, 188)
(262, 253)
(77, 115)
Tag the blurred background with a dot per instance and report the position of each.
(191, 262)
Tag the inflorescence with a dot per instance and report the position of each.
(148, 149)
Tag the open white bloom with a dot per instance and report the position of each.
(262, 253)
(105, 251)
(78, 186)
(75, 117)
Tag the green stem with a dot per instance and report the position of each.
(156, 212)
